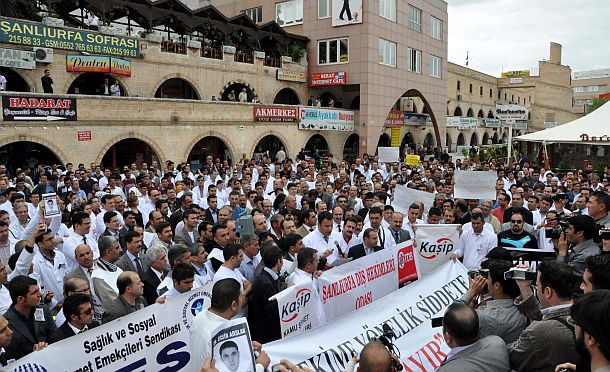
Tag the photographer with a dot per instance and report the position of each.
(498, 316)
(549, 339)
(579, 234)
(551, 221)
(469, 352)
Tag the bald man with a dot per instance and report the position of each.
(6, 335)
(375, 358)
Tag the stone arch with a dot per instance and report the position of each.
(287, 148)
(149, 141)
(457, 111)
(286, 89)
(485, 140)
(328, 149)
(448, 141)
(429, 140)
(39, 140)
(474, 139)
(219, 135)
(13, 76)
(490, 115)
(241, 82)
(417, 94)
(461, 141)
(494, 139)
(351, 152)
(176, 76)
(384, 140)
(470, 113)
(120, 79)
(481, 114)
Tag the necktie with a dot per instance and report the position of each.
(84, 240)
(138, 266)
(90, 271)
(312, 229)
(397, 236)
(326, 239)
(339, 227)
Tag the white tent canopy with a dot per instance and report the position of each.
(592, 129)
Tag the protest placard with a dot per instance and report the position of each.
(407, 311)
(300, 309)
(475, 185)
(412, 160)
(232, 347)
(404, 197)
(435, 244)
(155, 338)
(388, 154)
(50, 205)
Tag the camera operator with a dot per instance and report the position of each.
(551, 221)
(498, 316)
(592, 329)
(549, 339)
(559, 203)
(579, 234)
(469, 352)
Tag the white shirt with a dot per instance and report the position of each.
(2, 82)
(385, 238)
(224, 272)
(69, 248)
(487, 226)
(345, 246)
(201, 336)
(299, 276)
(316, 241)
(475, 247)
(50, 275)
(100, 226)
(5, 299)
(406, 225)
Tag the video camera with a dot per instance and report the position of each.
(483, 272)
(386, 340)
(555, 232)
(604, 233)
(520, 274)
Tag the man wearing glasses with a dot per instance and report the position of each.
(517, 237)
(79, 317)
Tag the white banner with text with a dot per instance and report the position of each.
(435, 244)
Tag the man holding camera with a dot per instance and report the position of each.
(579, 234)
(549, 339)
(498, 316)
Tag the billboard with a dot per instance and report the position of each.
(274, 114)
(103, 64)
(325, 119)
(325, 79)
(289, 75)
(511, 112)
(346, 12)
(38, 108)
(14, 58)
(516, 74)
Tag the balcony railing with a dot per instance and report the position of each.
(210, 52)
(272, 62)
(173, 47)
(244, 57)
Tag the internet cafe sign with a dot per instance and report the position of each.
(325, 79)
(511, 112)
(14, 58)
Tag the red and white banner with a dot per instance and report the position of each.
(325, 79)
(435, 244)
(300, 309)
(407, 311)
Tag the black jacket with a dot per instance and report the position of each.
(357, 251)
(151, 282)
(23, 343)
(65, 331)
(263, 317)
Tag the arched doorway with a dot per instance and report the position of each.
(209, 146)
(316, 142)
(490, 115)
(14, 81)
(470, 113)
(269, 145)
(286, 96)
(236, 88)
(485, 139)
(91, 84)
(384, 140)
(325, 98)
(128, 151)
(407, 142)
(24, 154)
(176, 88)
(457, 111)
(494, 139)
(481, 114)
(448, 141)
(429, 140)
(350, 150)
(460, 141)
(474, 139)
(355, 105)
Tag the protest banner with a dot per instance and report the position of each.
(299, 308)
(404, 197)
(475, 185)
(412, 160)
(407, 262)
(388, 154)
(232, 347)
(407, 311)
(435, 244)
(349, 287)
(153, 339)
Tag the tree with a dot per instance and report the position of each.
(597, 103)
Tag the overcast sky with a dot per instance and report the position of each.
(503, 35)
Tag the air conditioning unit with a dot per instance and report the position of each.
(406, 104)
(44, 55)
(459, 97)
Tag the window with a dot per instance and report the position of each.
(470, 89)
(255, 14)
(414, 18)
(436, 28)
(491, 93)
(387, 52)
(512, 98)
(333, 51)
(387, 9)
(592, 88)
(458, 85)
(289, 12)
(414, 62)
(324, 9)
(505, 96)
(480, 91)
(436, 66)
(578, 89)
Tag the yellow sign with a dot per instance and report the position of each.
(513, 74)
(395, 136)
(412, 160)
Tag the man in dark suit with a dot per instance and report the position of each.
(155, 274)
(111, 221)
(368, 246)
(188, 235)
(468, 352)
(398, 233)
(79, 317)
(263, 316)
(32, 324)
(211, 214)
(178, 215)
(369, 198)
(129, 219)
(309, 222)
(132, 259)
(130, 297)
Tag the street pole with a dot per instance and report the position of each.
(510, 141)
